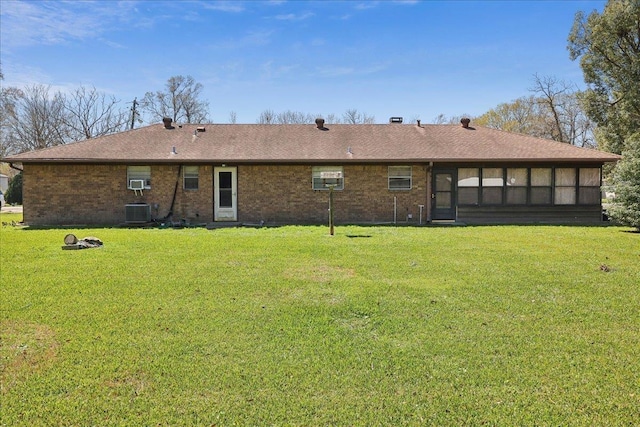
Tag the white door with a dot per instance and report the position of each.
(225, 187)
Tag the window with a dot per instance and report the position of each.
(565, 191)
(492, 184)
(468, 186)
(540, 186)
(139, 172)
(399, 177)
(190, 177)
(517, 181)
(324, 176)
(589, 189)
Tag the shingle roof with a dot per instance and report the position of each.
(255, 143)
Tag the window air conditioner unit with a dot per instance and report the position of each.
(138, 212)
(136, 184)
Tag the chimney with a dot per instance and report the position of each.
(465, 122)
(418, 122)
(395, 120)
(320, 123)
(167, 122)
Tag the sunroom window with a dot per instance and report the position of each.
(589, 186)
(540, 186)
(492, 184)
(517, 181)
(325, 176)
(565, 191)
(400, 178)
(468, 186)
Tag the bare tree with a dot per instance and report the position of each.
(561, 116)
(353, 116)
(36, 119)
(8, 99)
(267, 117)
(233, 117)
(90, 113)
(442, 119)
(332, 119)
(294, 117)
(181, 101)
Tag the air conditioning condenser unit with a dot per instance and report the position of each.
(137, 212)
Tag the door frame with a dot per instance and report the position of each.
(444, 214)
(225, 213)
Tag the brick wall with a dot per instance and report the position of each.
(97, 194)
(283, 194)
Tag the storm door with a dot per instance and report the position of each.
(443, 195)
(225, 187)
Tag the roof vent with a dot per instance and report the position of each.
(465, 122)
(395, 120)
(320, 123)
(201, 129)
(167, 122)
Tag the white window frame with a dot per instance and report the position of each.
(399, 174)
(320, 184)
(193, 173)
(139, 172)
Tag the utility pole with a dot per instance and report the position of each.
(134, 112)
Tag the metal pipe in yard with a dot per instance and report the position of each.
(331, 210)
(395, 209)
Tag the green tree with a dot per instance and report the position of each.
(626, 185)
(608, 46)
(14, 191)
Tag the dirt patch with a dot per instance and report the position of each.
(320, 273)
(25, 348)
(128, 385)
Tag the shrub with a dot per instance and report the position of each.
(626, 185)
(14, 191)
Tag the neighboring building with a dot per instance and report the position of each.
(278, 174)
(4, 182)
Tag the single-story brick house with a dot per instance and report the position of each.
(280, 174)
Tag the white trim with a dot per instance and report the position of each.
(225, 213)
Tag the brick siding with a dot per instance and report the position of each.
(284, 194)
(97, 194)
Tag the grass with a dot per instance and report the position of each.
(291, 326)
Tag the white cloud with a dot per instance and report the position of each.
(224, 6)
(367, 5)
(294, 17)
(339, 71)
(48, 23)
(251, 39)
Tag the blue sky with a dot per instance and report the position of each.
(415, 59)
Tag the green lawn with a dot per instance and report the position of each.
(440, 326)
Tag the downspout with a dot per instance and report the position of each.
(175, 192)
(12, 166)
(429, 192)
